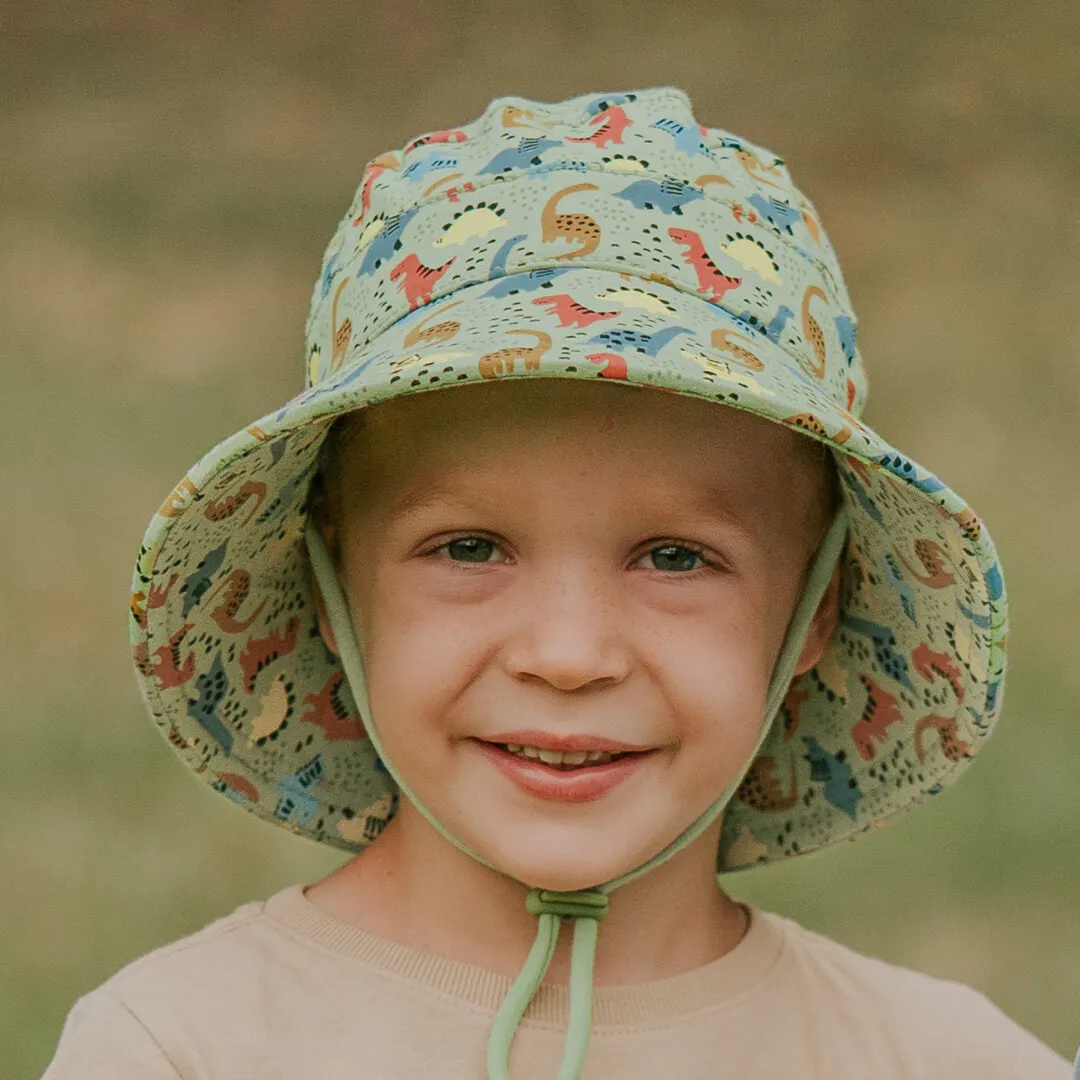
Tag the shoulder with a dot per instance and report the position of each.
(924, 1021)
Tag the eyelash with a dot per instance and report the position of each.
(465, 565)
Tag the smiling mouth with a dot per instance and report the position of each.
(563, 760)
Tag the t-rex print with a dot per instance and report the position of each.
(328, 711)
(569, 312)
(417, 280)
(610, 125)
(711, 280)
(258, 653)
(880, 712)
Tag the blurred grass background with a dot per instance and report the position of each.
(171, 172)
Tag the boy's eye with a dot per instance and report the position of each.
(675, 557)
(470, 549)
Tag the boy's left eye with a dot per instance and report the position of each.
(473, 549)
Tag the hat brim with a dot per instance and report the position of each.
(235, 674)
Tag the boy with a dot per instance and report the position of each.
(563, 650)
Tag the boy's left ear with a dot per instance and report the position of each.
(822, 626)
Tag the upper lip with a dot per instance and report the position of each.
(565, 744)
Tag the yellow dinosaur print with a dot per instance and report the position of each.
(638, 298)
(371, 229)
(470, 223)
(746, 849)
(363, 830)
(752, 255)
(418, 359)
(623, 163)
(720, 369)
(571, 227)
(274, 707)
(178, 499)
(501, 362)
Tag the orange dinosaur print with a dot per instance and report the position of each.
(328, 712)
(952, 746)
(791, 711)
(417, 280)
(342, 333)
(422, 334)
(881, 711)
(569, 312)
(580, 228)
(454, 135)
(236, 586)
(431, 189)
(812, 332)
(610, 125)
(712, 178)
(711, 280)
(722, 341)
(177, 501)
(930, 664)
(614, 364)
(761, 788)
(220, 509)
(259, 652)
(756, 169)
(932, 559)
(501, 362)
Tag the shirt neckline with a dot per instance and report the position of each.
(713, 985)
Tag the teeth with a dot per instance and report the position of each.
(565, 759)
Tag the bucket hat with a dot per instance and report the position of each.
(614, 237)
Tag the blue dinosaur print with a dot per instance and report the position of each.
(530, 282)
(779, 213)
(295, 804)
(196, 583)
(284, 498)
(211, 688)
(845, 331)
(688, 138)
(600, 104)
(432, 163)
(906, 469)
(387, 242)
(333, 265)
(832, 770)
(861, 496)
(527, 152)
(895, 578)
(498, 262)
(650, 344)
(775, 325)
(893, 663)
(995, 585)
(981, 621)
(667, 196)
(546, 168)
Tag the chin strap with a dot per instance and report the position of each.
(587, 906)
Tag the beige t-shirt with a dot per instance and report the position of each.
(282, 991)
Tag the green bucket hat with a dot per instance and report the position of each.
(609, 237)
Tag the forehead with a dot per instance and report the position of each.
(507, 433)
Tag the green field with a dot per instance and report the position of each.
(170, 173)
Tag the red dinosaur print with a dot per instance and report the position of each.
(329, 712)
(220, 509)
(952, 746)
(237, 586)
(240, 784)
(569, 312)
(711, 280)
(879, 714)
(610, 125)
(454, 135)
(417, 280)
(372, 173)
(167, 666)
(791, 711)
(930, 664)
(761, 788)
(738, 212)
(142, 602)
(614, 364)
(259, 652)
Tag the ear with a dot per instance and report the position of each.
(822, 626)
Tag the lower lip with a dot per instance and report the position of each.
(583, 784)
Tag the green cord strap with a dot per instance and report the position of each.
(586, 908)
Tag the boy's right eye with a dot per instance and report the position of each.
(469, 549)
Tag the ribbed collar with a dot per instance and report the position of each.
(645, 1004)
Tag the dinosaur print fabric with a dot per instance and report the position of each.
(607, 237)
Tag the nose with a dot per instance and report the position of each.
(569, 631)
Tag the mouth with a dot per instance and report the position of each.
(563, 760)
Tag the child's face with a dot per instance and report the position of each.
(574, 566)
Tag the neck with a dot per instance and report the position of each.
(415, 888)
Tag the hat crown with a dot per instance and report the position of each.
(622, 181)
